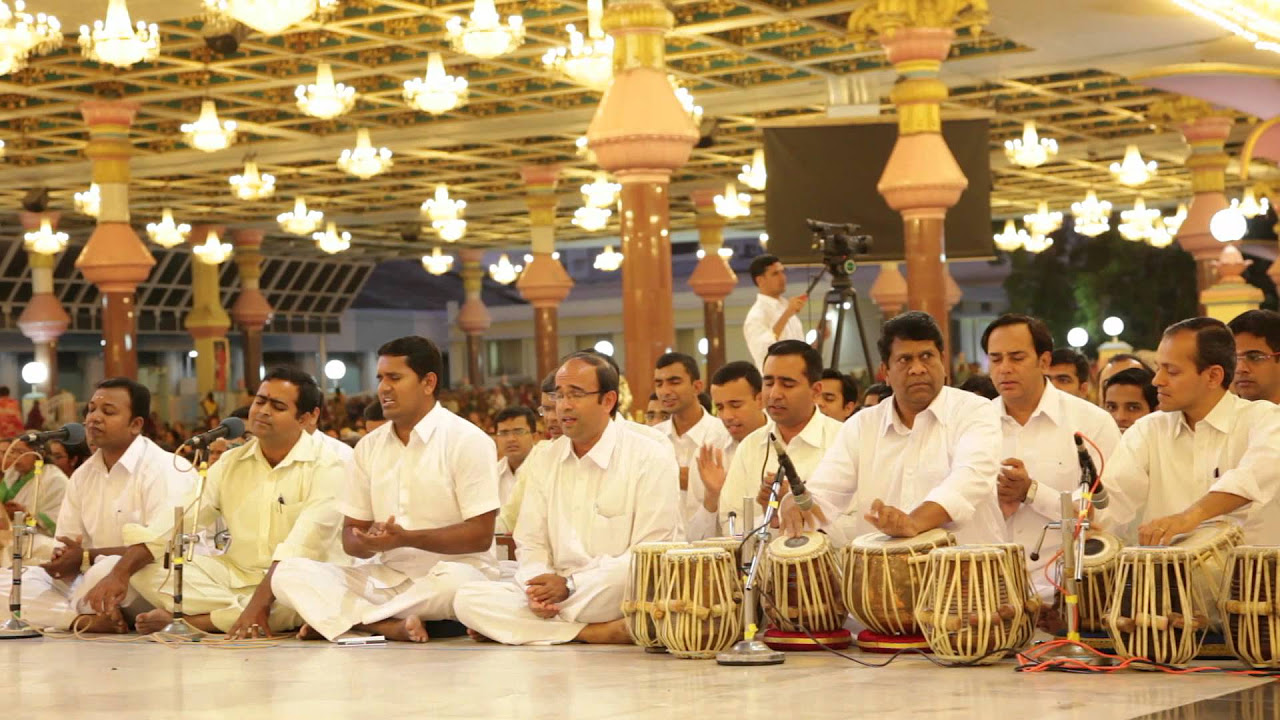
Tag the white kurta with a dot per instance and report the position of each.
(708, 431)
(758, 327)
(101, 507)
(1162, 466)
(445, 475)
(510, 513)
(506, 480)
(345, 452)
(273, 514)
(580, 518)
(950, 457)
(1046, 445)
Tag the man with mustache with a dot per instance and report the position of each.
(1257, 334)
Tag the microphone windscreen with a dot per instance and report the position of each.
(234, 426)
(75, 434)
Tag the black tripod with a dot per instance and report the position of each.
(840, 294)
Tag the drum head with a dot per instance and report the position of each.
(690, 554)
(657, 548)
(1100, 548)
(936, 537)
(810, 544)
(1210, 534)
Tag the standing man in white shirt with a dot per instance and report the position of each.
(601, 490)
(1257, 334)
(1039, 422)
(1208, 452)
(677, 382)
(771, 318)
(925, 458)
(419, 505)
(516, 428)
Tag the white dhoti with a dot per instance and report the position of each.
(49, 602)
(500, 611)
(210, 586)
(332, 599)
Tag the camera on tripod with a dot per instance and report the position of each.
(840, 244)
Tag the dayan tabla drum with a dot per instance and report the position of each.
(730, 545)
(639, 599)
(1250, 605)
(803, 587)
(976, 604)
(1098, 573)
(700, 615)
(882, 578)
(1165, 597)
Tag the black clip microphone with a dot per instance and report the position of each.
(1090, 474)
(803, 499)
(230, 428)
(69, 434)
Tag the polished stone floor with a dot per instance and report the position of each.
(457, 678)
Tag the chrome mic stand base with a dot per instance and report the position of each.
(183, 629)
(1073, 652)
(750, 652)
(17, 629)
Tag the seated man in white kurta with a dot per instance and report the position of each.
(602, 490)
(419, 505)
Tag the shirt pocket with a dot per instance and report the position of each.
(610, 522)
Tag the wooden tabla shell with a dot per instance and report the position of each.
(701, 616)
(1250, 605)
(883, 576)
(1156, 610)
(1101, 555)
(802, 578)
(641, 595)
(976, 601)
(1211, 544)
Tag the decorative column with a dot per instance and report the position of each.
(641, 134)
(544, 282)
(1263, 143)
(713, 279)
(43, 320)
(473, 317)
(114, 259)
(208, 322)
(889, 290)
(1230, 295)
(922, 179)
(251, 310)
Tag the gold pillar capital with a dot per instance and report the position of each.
(882, 19)
(1181, 109)
(639, 29)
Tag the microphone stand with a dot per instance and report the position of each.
(182, 549)
(749, 650)
(25, 530)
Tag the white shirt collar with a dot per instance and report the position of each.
(1050, 405)
(810, 434)
(602, 451)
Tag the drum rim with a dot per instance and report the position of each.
(696, 552)
(902, 545)
(1111, 547)
(657, 547)
(823, 546)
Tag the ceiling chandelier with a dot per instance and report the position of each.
(23, 35)
(732, 204)
(331, 241)
(89, 202)
(1, 141)
(437, 263)
(592, 219)
(450, 230)
(45, 241)
(1161, 236)
(1137, 224)
(1253, 20)
(588, 60)
(300, 220)
(1030, 150)
(364, 161)
(754, 175)
(503, 271)
(207, 133)
(484, 35)
(213, 251)
(324, 98)
(270, 17)
(167, 233)
(1173, 223)
(1010, 238)
(600, 193)
(252, 185)
(437, 92)
(608, 260)
(1042, 222)
(582, 149)
(1132, 171)
(441, 207)
(1092, 216)
(686, 101)
(1250, 206)
(1036, 244)
(116, 41)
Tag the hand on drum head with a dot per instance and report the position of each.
(1161, 531)
(795, 521)
(891, 521)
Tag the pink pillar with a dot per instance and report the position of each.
(889, 290)
(473, 316)
(251, 310)
(713, 279)
(43, 320)
(1207, 137)
(544, 284)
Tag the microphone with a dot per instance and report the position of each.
(232, 427)
(1100, 498)
(69, 434)
(803, 499)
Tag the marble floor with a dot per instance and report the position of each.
(457, 678)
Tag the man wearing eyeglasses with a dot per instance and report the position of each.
(1257, 334)
(514, 427)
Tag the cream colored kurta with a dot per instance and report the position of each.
(758, 327)
(708, 431)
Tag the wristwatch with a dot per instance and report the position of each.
(85, 562)
(1031, 493)
(568, 582)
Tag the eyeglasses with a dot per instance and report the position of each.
(575, 395)
(512, 432)
(1254, 357)
(544, 410)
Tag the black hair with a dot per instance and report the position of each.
(980, 385)
(739, 370)
(78, 452)
(1121, 357)
(139, 395)
(879, 389)
(373, 412)
(1215, 345)
(848, 386)
(310, 396)
(1067, 356)
(1138, 378)
(1041, 338)
(1263, 323)
(910, 325)
(704, 399)
(4, 391)
(516, 411)
(549, 383)
(812, 359)
(653, 396)
(240, 412)
(420, 354)
(760, 264)
(673, 358)
(606, 373)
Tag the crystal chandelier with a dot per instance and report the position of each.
(331, 241)
(1253, 20)
(592, 219)
(437, 263)
(300, 220)
(686, 101)
(1173, 223)
(1042, 222)
(484, 35)
(732, 204)
(608, 260)
(364, 161)
(441, 206)
(167, 233)
(252, 185)
(45, 241)
(1010, 239)
(89, 202)
(116, 41)
(1030, 150)
(1092, 216)
(213, 251)
(600, 193)
(269, 17)
(1161, 236)
(450, 230)
(324, 98)
(1250, 206)
(754, 175)
(1036, 244)
(503, 271)
(1137, 224)
(207, 133)
(588, 60)
(1132, 171)
(437, 92)
(23, 35)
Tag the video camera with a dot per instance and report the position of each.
(840, 244)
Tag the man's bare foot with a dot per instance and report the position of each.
(408, 629)
(153, 621)
(111, 622)
(306, 632)
(477, 636)
(607, 633)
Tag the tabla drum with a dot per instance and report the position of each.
(730, 545)
(803, 588)
(882, 578)
(1211, 545)
(976, 604)
(639, 599)
(1157, 612)
(1250, 605)
(1101, 555)
(700, 615)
